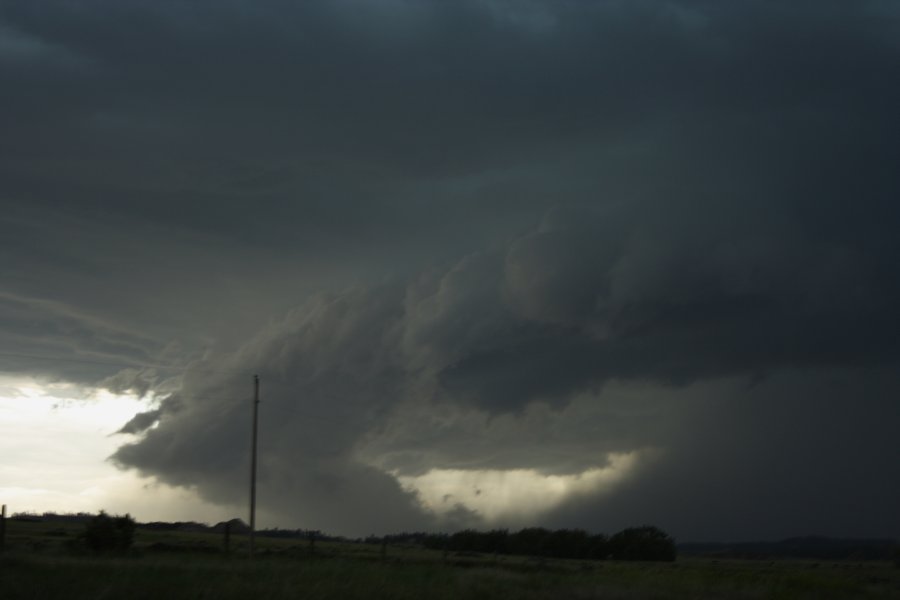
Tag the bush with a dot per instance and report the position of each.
(105, 534)
(642, 543)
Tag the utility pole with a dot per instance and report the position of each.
(253, 463)
(3, 529)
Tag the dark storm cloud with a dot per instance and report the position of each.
(589, 215)
(34, 327)
(301, 91)
(141, 422)
(800, 452)
(407, 377)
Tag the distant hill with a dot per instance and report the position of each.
(814, 547)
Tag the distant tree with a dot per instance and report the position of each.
(597, 547)
(467, 540)
(636, 543)
(531, 541)
(436, 541)
(567, 543)
(105, 534)
(642, 543)
(495, 541)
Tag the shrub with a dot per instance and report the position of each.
(105, 534)
(642, 543)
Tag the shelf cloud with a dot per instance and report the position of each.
(484, 245)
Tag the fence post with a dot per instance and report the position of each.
(3, 529)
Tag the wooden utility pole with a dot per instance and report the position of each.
(3, 529)
(253, 463)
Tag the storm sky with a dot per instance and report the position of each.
(571, 263)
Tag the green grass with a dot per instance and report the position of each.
(38, 565)
(175, 577)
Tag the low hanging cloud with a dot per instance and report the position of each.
(465, 367)
(474, 238)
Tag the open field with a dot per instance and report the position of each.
(39, 564)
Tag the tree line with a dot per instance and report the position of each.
(634, 543)
(106, 534)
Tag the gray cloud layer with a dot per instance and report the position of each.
(561, 230)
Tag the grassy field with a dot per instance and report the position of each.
(39, 563)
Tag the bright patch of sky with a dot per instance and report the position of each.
(515, 494)
(54, 443)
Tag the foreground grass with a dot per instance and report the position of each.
(39, 564)
(175, 577)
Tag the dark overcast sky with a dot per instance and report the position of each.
(480, 234)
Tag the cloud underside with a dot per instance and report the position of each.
(484, 246)
(552, 354)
